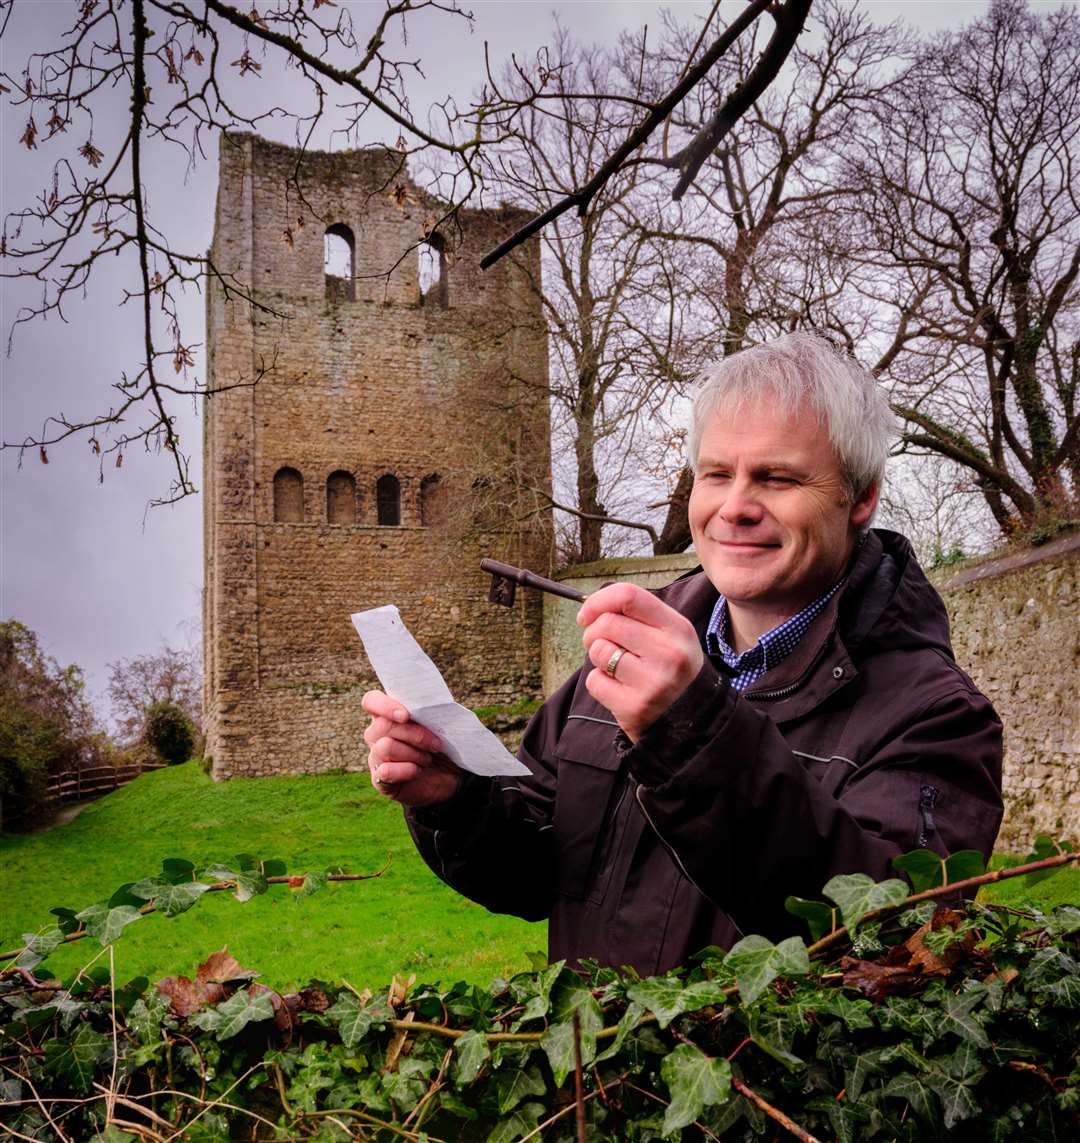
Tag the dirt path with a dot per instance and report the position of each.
(62, 816)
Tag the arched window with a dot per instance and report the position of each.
(339, 262)
(434, 288)
(288, 496)
(340, 498)
(432, 500)
(388, 499)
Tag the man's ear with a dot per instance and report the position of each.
(862, 508)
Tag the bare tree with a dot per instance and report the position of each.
(610, 296)
(190, 69)
(766, 242)
(172, 675)
(972, 218)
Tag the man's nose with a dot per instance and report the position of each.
(740, 504)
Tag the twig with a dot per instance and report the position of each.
(564, 1111)
(773, 1112)
(37, 1099)
(838, 935)
(217, 887)
(579, 1084)
(584, 195)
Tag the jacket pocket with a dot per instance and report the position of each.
(589, 793)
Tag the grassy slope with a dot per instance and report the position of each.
(363, 932)
(406, 921)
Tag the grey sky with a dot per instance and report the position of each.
(87, 565)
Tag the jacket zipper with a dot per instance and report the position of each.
(928, 796)
(782, 691)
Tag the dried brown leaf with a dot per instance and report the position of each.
(188, 996)
(222, 966)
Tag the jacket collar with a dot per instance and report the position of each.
(821, 664)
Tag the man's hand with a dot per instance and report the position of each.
(662, 654)
(405, 762)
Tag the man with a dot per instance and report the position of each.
(789, 712)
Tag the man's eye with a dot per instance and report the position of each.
(779, 480)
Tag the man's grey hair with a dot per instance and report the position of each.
(804, 369)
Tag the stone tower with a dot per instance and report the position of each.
(378, 424)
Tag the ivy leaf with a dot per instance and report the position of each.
(312, 883)
(958, 1017)
(916, 1094)
(524, 1119)
(1064, 920)
(570, 994)
(514, 1084)
(249, 882)
(353, 1021)
(558, 1043)
(757, 962)
(695, 1082)
(471, 1052)
(924, 868)
(1045, 846)
(857, 894)
(67, 920)
(820, 918)
(963, 864)
(957, 1099)
(176, 869)
(233, 1015)
(113, 1134)
(107, 924)
(37, 947)
(631, 1018)
(170, 900)
(274, 867)
(144, 1017)
(664, 996)
(767, 1031)
(75, 1058)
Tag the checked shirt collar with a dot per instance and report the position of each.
(769, 651)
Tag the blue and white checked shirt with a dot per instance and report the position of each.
(770, 650)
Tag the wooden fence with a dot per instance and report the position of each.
(80, 786)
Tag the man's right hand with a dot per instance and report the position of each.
(404, 760)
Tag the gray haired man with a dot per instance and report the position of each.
(788, 712)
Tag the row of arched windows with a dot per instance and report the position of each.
(342, 503)
(339, 264)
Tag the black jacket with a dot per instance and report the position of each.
(866, 742)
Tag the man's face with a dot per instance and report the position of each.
(769, 513)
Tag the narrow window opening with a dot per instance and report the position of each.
(388, 500)
(339, 262)
(434, 287)
(340, 498)
(432, 500)
(288, 496)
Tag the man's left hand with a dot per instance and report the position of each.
(661, 654)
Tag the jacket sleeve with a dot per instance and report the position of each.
(750, 824)
(492, 842)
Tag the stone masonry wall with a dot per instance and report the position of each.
(367, 378)
(1015, 629)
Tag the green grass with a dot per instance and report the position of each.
(1063, 888)
(406, 921)
(363, 932)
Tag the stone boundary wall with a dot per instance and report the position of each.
(1015, 629)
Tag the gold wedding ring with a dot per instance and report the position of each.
(613, 662)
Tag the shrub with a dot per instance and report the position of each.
(170, 733)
